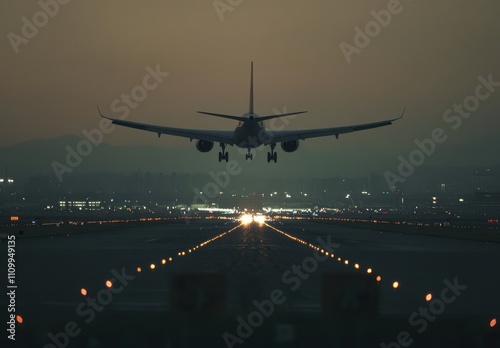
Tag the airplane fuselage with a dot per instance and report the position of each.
(250, 133)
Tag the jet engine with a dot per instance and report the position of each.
(204, 145)
(290, 146)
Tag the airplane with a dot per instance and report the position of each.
(250, 132)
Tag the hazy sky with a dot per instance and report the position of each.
(428, 57)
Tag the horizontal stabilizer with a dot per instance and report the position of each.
(236, 118)
(263, 118)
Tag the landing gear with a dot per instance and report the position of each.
(223, 155)
(249, 156)
(272, 156)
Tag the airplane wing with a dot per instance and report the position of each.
(282, 136)
(226, 137)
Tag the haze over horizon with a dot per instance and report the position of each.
(428, 57)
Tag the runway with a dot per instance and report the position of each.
(164, 298)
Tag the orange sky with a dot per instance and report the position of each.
(90, 52)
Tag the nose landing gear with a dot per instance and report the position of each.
(249, 156)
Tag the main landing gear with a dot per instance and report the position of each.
(223, 155)
(272, 156)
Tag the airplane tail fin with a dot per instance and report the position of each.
(250, 109)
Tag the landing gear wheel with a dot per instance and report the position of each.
(249, 156)
(272, 156)
(223, 155)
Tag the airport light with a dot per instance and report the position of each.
(108, 283)
(19, 319)
(139, 269)
(369, 270)
(428, 297)
(260, 219)
(163, 261)
(395, 285)
(246, 219)
(83, 291)
(152, 266)
(379, 278)
(493, 322)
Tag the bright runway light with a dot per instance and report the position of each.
(246, 219)
(139, 269)
(369, 270)
(356, 266)
(346, 262)
(163, 261)
(428, 297)
(379, 278)
(493, 322)
(259, 219)
(19, 319)
(152, 266)
(83, 291)
(395, 285)
(108, 283)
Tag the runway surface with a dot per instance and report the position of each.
(199, 296)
